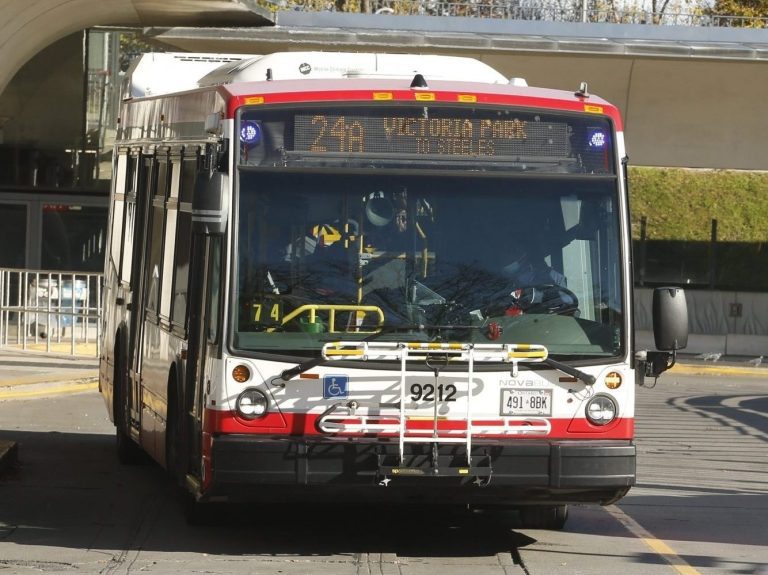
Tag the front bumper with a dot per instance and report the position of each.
(557, 472)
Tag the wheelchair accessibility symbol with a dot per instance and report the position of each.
(335, 386)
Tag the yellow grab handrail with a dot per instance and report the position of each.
(312, 309)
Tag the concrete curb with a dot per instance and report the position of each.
(712, 369)
(47, 389)
(47, 378)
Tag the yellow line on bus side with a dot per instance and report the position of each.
(657, 545)
(52, 390)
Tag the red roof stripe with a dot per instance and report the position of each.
(367, 96)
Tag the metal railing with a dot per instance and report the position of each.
(542, 11)
(51, 311)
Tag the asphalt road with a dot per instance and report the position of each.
(701, 506)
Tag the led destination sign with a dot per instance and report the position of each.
(418, 137)
(447, 136)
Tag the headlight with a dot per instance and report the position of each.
(251, 404)
(601, 410)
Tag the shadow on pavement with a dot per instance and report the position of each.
(70, 491)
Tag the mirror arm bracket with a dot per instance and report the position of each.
(653, 364)
(658, 362)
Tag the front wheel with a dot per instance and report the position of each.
(552, 518)
(176, 435)
(128, 451)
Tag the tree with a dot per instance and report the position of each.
(679, 12)
(740, 13)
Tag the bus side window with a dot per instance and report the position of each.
(118, 211)
(183, 240)
(171, 216)
(157, 224)
(130, 218)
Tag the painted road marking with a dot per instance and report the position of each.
(657, 545)
(78, 375)
(49, 390)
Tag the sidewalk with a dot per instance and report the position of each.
(35, 374)
(25, 368)
(716, 364)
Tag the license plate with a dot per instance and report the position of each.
(526, 402)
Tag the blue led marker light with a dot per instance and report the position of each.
(597, 139)
(250, 133)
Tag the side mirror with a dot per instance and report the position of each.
(670, 319)
(670, 333)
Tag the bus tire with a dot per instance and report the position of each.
(128, 451)
(176, 434)
(552, 518)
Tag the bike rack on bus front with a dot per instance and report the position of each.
(341, 418)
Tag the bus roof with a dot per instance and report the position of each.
(325, 77)
(336, 65)
(163, 73)
(158, 73)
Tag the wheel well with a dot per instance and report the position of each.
(175, 456)
(172, 397)
(173, 387)
(118, 360)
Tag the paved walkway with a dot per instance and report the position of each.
(26, 374)
(25, 368)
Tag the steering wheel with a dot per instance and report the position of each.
(541, 298)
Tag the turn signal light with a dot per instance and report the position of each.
(613, 380)
(241, 373)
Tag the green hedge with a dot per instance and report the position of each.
(679, 204)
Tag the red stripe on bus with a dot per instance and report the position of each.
(303, 424)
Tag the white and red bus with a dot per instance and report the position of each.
(376, 276)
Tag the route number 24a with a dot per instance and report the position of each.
(430, 392)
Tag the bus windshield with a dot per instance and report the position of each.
(412, 255)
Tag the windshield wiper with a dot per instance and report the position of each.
(569, 370)
(292, 372)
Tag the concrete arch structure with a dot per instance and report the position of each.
(28, 26)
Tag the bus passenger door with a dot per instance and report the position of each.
(204, 337)
(135, 247)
